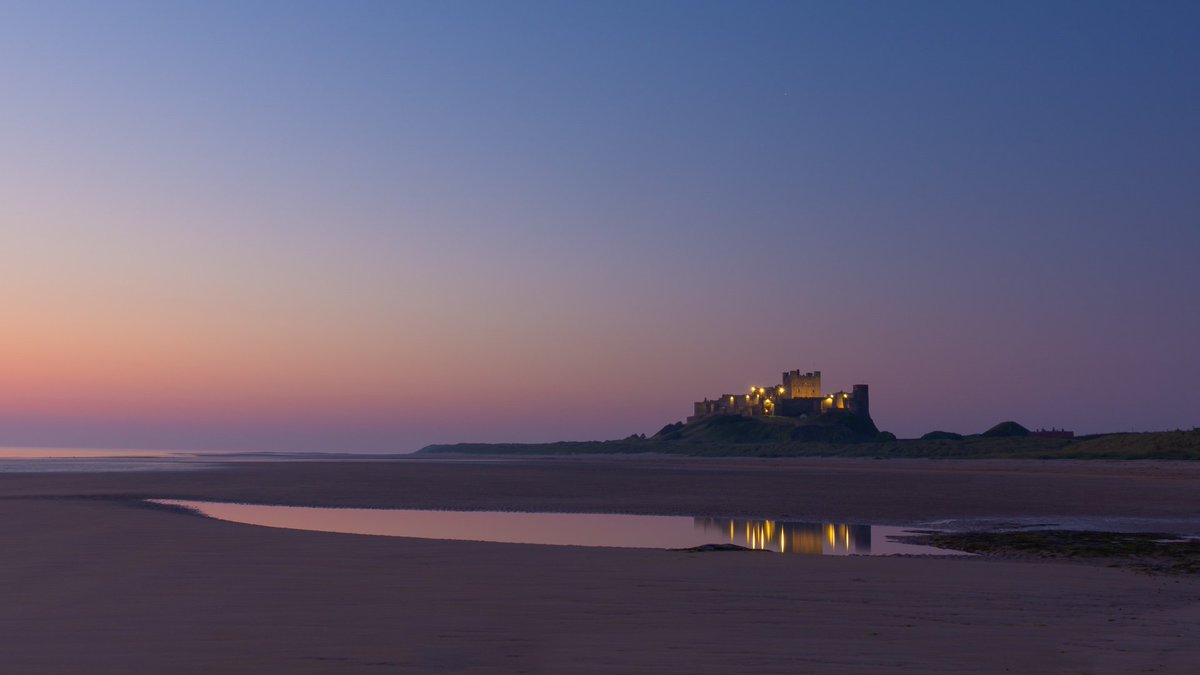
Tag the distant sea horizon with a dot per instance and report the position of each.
(25, 459)
(57, 452)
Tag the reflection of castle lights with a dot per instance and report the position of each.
(800, 538)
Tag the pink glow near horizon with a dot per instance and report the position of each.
(542, 352)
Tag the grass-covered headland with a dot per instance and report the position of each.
(846, 436)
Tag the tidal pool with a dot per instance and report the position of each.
(576, 529)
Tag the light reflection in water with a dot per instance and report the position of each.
(573, 529)
(788, 537)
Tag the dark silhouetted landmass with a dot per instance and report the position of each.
(770, 439)
(1007, 429)
(942, 436)
(835, 426)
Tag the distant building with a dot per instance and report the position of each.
(799, 395)
(1053, 433)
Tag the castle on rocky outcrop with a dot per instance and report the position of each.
(798, 396)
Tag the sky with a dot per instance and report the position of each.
(368, 226)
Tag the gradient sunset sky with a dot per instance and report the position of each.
(367, 226)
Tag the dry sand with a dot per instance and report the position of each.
(94, 583)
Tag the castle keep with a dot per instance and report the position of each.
(799, 395)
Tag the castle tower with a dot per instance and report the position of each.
(861, 401)
(802, 385)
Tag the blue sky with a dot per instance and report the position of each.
(343, 225)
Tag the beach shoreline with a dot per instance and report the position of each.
(101, 583)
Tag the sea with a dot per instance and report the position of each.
(94, 460)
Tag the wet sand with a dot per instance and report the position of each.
(95, 583)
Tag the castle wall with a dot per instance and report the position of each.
(848, 401)
(860, 401)
(799, 395)
(798, 407)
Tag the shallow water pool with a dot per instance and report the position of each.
(577, 529)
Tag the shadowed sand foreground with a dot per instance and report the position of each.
(95, 583)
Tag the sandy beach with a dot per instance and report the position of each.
(93, 582)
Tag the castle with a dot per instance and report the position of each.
(798, 396)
